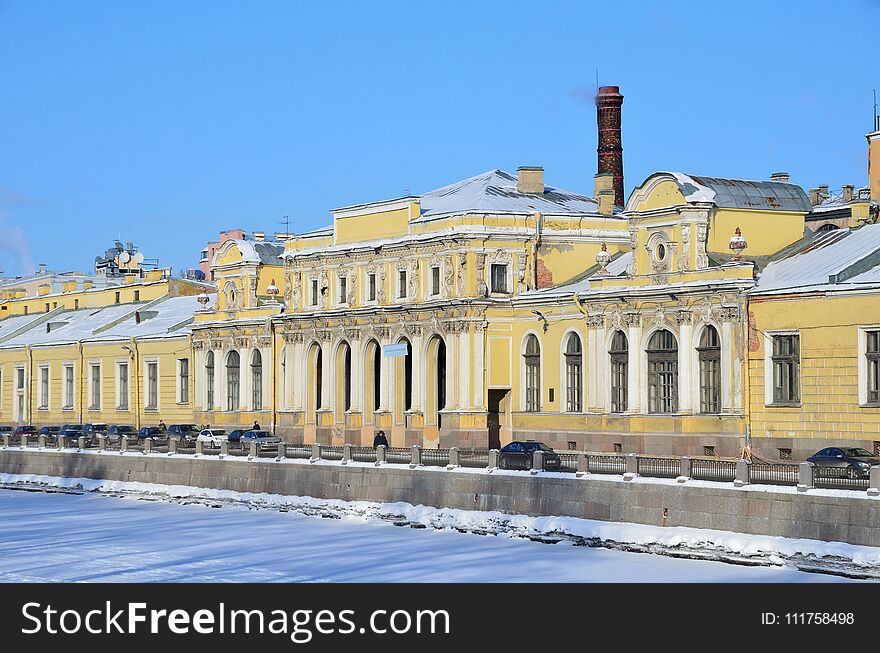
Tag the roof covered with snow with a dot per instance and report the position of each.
(840, 258)
(495, 191)
(741, 193)
(121, 321)
(259, 251)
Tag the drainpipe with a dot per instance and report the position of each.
(274, 374)
(82, 374)
(539, 221)
(747, 381)
(30, 380)
(137, 382)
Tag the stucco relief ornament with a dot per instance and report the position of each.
(683, 317)
(616, 318)
(323, 287)
(448, 276)
(462, 275)
(412, 280)
(702, 258)
(660, 318)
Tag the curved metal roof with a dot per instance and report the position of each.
(742, 193)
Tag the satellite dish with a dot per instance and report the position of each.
(124, 257)
(138, 258)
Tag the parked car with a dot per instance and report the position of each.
(235, 436)
(5, 430)
(178, 431)
(50, 431)
(212, 437)
(94, 430)
(71, 430)
(151, 433)
(857, 462)
(25, 430)
(119, 431)
(264, 440)
(519, 454)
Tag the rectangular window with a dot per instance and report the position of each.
(122, 387)
(95, 373)
(343, 290)
(44, 388)
(371, 287)
(117, 300)
(662, 384)
(786, 369)
(435, 281)
(183, 380)
(152, 386)
(137, 295)
(68, 387)
(314, 292)
(872, 353)
(619, 387)
(499, 277)
(401, 284)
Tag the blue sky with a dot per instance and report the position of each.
(165, 122)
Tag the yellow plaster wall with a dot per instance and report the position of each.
(386, 224)
(766, 232)
(828, 329)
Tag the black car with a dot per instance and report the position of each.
(519, 454)
(50, 431)
(853, 461)
(119, 431)
(71, 430)
(151, 433)
(25, 430)
(5, 430)
(235, 436)
(183, 431)
(94, 430)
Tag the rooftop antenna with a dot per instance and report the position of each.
(876, 123)
(597, 80)
(286, 222)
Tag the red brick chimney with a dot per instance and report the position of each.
(608, 104)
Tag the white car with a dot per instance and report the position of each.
(212, 437)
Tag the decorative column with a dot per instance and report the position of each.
(688, 400)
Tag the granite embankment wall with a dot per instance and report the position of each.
(852, 517)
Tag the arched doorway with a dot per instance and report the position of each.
(403, 383)
(372, 380)
(314, 376)
(343, 380)
(436, 381)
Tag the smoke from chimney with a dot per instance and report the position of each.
(608, 107)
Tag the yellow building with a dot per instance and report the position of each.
(99, 357)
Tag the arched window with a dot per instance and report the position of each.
(829, 226)
(257, 380)
(319, 378)
(209, 380)
(407, 377)
(662, 373)
(573, 373)
(710, 371)
(233, 380)
(532, 359)
(346, 378)
(619, 353)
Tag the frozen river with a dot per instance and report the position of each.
(99, 538)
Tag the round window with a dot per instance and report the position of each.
(661, 252)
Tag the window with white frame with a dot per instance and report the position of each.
(401, 284)
(19, 393)
(371, 287)
(183, 380)
(619, 354)
(44, 388)
(709, 353)
(152, 383)
(209, 381)
(786, 362)
(122, 385)
(498, 277)
(68, 387)
(257, 380)
(343, 290)
(233, 372)
(435, 280)
(871, 363)
(532, 363)
(574, 365)
(662, 353)
(95, 386)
